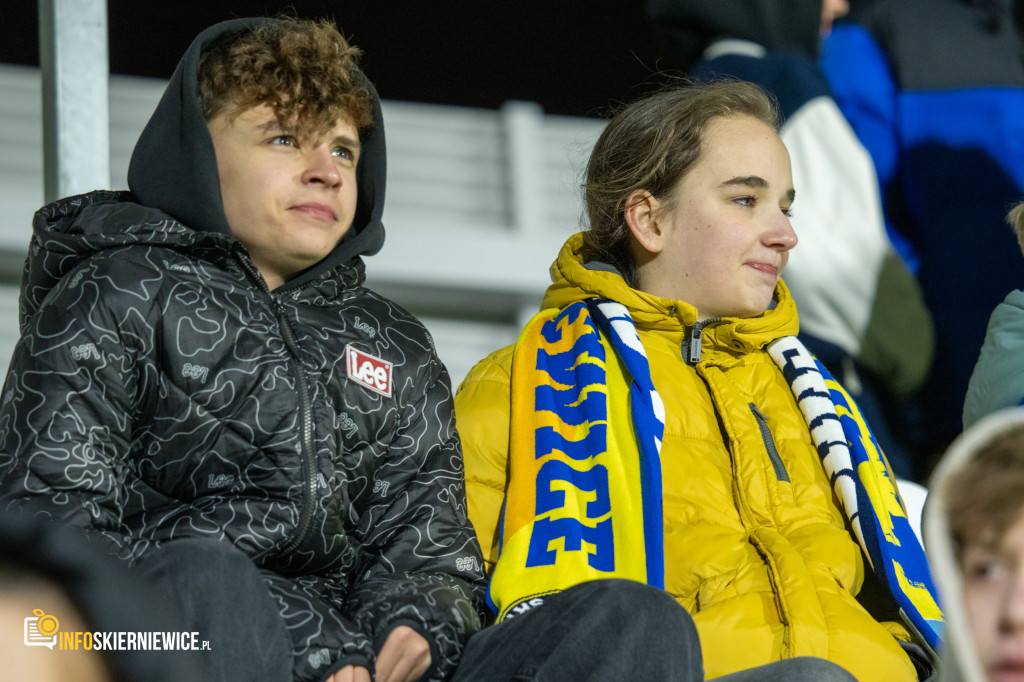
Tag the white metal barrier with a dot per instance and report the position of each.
(478, 203)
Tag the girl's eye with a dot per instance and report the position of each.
(744, 201)
(788, 212)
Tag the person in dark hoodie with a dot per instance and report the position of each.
(204, 386)
(861, 311)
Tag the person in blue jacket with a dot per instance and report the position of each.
(935, 91)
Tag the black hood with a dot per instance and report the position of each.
(173, 167)
(686, 27)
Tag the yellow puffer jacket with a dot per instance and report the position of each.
(755, 546)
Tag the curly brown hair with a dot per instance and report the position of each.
(304, 70)
(650, 145)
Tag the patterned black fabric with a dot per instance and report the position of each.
(160, 391)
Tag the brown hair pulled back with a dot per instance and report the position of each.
(650, 145)
(304, 70)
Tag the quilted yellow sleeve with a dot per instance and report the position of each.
(482, 407)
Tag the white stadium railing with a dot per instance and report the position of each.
(478, 203)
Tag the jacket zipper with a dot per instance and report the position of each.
(691, 352)
(693, 340)
(305, 410)
(306, 413)
(769, 444)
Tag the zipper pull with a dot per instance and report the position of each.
(693, 345)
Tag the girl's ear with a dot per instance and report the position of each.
(641, 214)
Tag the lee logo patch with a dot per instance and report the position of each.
(371, 372)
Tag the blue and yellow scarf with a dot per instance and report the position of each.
(584, 495)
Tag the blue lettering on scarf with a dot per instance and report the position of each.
(574, 534)
(574, 407)
(594, 480)
(547, 440)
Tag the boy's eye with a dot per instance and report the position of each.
(985, 569)
(286, 140)
(344, 153)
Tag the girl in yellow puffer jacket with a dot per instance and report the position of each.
(688, 195)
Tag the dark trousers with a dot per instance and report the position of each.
(221, 595)
(611, 630)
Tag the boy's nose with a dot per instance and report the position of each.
(1012, 616)
(321, 168)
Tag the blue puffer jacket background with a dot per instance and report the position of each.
(935, 91)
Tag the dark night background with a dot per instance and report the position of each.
(575, 57)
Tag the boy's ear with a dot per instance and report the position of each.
(641, 214)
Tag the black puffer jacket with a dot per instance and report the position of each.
(161, 392)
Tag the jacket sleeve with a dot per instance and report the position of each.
(482, 408)
(998, 378)
(422, 565)
(65, 414)
(324, 640)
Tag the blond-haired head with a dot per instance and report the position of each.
(1016, 219)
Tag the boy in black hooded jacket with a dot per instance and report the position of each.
(203, 383)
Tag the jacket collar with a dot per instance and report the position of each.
(573, 281)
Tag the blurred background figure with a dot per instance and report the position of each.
(933, 89)
(974, 534)
(861, 311)
(998, 377)
(52, 569)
